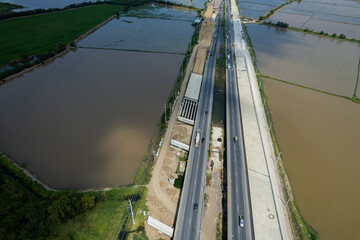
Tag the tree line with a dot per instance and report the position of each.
(126, 3)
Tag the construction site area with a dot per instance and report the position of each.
(163, 194)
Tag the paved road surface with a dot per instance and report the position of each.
(238, 200)
(188, 224)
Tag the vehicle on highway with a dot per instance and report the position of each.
(236, 139)
(229, 67)
(202, 140)
(196, 207)
(241, 221)
(228, 56)
(197, 139)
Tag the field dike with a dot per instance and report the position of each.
(143, 175)
(60, 54)
(301, 230)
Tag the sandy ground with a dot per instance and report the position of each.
(162, 199)
(214, 191)
(205, 37)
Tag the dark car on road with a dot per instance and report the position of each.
(196, 207)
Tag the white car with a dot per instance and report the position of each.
(241, 221)
(229, 67)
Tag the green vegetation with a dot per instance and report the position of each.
(178, 5)
(28, 211)
(322, 33)
(179, 181)
(357, 83)
(184, 157)
(6, 8)
(282, 24)
(103, 222)
(41, 33)
(269, 14)
(220, 72)
(301, 229)
(219, 228)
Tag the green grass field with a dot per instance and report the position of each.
(104, 221)
(41, 33)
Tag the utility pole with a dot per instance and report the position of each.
(132, 213)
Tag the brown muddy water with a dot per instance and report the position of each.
(319, 136)
(86, 119)
(312, 61)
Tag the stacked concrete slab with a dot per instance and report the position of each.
(188, 108)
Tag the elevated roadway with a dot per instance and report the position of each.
(188, 223)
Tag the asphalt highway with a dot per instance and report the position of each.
(238, 195)
(188, 224)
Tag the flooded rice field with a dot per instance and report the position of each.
(86, 119)
(317, 62)
(44, 4)
(328, 16)
(147, 34)
(256, 8)
(318, 134)
(162, 12)
(196, 3)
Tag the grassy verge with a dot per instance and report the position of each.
(41, 33)
(103, 221)
(6, 8)
(219, 235)
(301, 229)
(357, 83)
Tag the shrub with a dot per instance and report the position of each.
(282, 24)
(334, 35)
(179, 181)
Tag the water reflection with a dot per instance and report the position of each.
(313, 61)
(45, 4)
(142, 34)
(319, 136)
(86, 120)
